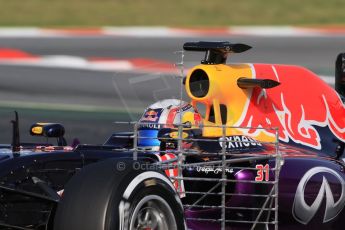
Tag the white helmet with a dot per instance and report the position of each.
(167, 113)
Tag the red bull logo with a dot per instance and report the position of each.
(301, 103)
(151, 115)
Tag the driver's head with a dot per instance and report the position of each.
(167, 113)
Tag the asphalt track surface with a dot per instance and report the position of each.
(88, 101)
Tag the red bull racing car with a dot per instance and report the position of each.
(258, 146)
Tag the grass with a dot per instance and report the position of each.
(89, 13)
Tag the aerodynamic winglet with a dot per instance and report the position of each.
(246, 83)
(216, 51)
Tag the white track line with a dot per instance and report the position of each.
(278, 31)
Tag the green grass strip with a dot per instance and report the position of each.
(170, 13)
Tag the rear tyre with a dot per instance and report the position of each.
(101, 197)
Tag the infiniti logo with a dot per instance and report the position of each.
(303, 213)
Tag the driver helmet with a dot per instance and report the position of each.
(168, 113)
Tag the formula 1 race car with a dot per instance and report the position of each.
(259, 146)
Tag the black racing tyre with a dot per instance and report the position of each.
(104, 196)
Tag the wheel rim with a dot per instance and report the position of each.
(153, 213)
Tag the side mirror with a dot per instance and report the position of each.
(49, 130)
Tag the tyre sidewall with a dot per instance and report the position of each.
(93, 197)
(142, 184)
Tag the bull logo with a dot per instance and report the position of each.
(303, 212)
(151, 115)
(298, 111)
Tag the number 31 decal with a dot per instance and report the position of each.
(263, 172)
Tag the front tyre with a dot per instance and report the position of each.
(101, 197)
